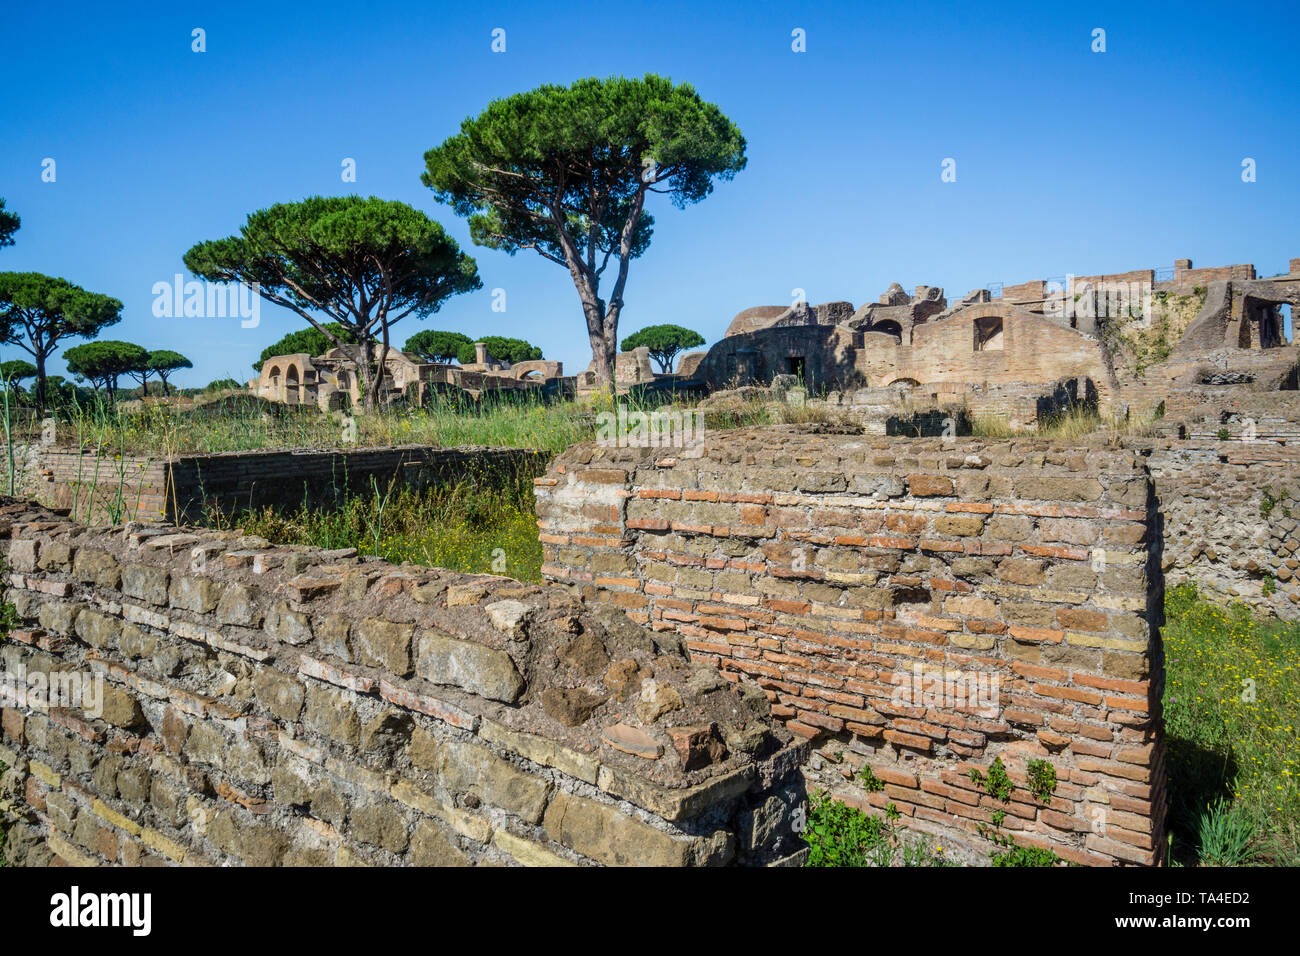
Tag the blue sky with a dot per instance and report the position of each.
(1067, 160)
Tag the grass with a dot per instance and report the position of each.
(1232, 721)
(480, 524)
(1077, 421)
(245, 423)
(241, 422)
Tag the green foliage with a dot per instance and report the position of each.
(308, 341)
(664, 342)
(363, 263)
(1268, 502)
(840, 835)
(997, 784)
(433, 345)
(8, 613)
(1024, 856)
(1042, 779)
(164, 362)
(590, 141)
(103, 362)
(1232, 709)
(16, 370)
(565, 171)
(9, 223)
(1227, 835)
(37, 312)
(222, 385)
(484, 523)
(501, 348)
(869, 779)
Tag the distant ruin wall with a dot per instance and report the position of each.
(105, 488)
(871, 586)
(270, 706)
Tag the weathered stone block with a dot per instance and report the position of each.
(603, 833)
(279, 693)
(146, 582)
(468, 665)
(469, 768)
(384, 644)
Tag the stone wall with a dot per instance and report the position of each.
(863, 582)
(109, 488)
(265, 706)
(1230, 520)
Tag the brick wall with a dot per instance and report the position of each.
(1034, 350)
(109, 489)
(848, 575)
(269, 706)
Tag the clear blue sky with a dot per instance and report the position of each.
(1067, 160)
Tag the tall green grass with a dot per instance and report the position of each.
(479, 524)
(1232, 724)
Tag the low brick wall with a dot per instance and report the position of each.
(871, 585)
(264, 706)
(110, 489)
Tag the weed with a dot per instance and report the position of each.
(1042, 779)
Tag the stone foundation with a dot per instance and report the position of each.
(265, 706)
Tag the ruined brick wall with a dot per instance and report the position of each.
(1195, 277)
(859, 580)
(1034, 350)
(265, 706)
(108, 488)
(1230, 519)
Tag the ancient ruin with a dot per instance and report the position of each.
(723, 629)
(1122, 343)
(331, 382)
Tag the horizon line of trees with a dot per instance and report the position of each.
(564, 171)
(39, 312)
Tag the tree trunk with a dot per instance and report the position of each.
(604, 349)
(366, 369)
(40, 385)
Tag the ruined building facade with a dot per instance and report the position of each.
(1122, 342)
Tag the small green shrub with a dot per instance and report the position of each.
(869, 780)
(1042, 779)
(997, 784)
(841, 835)
(1024, 856)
